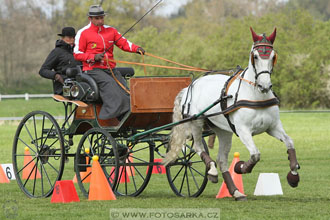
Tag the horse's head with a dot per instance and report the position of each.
(263, 58)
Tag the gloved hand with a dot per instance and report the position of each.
(58, 78)
(140, 50)
(98, 57)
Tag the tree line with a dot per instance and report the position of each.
(211, 34)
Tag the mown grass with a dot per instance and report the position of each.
(310, 200)
(19, 107)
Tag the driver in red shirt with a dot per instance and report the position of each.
(90, 44)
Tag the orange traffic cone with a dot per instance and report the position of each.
(3, 176)
(85, 176)
(237, 178)
(64, 192)
(99, 187)
(30, 167)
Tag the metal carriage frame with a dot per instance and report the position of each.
(126, 148)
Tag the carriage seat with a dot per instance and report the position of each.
(81, 86)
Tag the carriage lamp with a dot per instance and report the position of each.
(67, 87)
(66, 90)
(74, 91)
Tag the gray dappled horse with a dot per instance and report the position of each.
(249, 106)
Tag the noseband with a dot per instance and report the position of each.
(262, 72)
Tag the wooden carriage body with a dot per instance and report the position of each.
(151, 99)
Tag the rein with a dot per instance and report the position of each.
(117, 81)
(184, 67)
(187, 68)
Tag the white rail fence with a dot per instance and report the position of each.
(25, 96)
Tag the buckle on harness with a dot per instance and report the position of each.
(227, 97)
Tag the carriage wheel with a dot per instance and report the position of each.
(187, 176)
(96, 141)
(135, 169)
(38, 154)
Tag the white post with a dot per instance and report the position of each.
(26, 97)
(0, 97)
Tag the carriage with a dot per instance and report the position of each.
(127, 149)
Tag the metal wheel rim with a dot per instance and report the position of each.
(108, 163)
(188, 181)
(45, 155)
(136, 172)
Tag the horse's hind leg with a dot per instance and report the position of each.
(225, 141)
(197, 133)
(279, 133)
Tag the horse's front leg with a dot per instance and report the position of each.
(197, 133)
(243, 167)
(279, 133)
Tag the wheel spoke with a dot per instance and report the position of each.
(42, 129)
(144, 161)
(27, 179)
(49, 181)
(35, 177)
(47, 135)
(26, 165)
(139, 149)
(57, 171)
(186, 172)
(35, 129)
(42, 180)
(177, 174)
(33, 141)
(197, 171)
(140, 173)
(182, 182)
(27, 145)
(82, 180)
(194, 179)
(133, 178)
(53, 144)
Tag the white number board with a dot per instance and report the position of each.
(9, 171)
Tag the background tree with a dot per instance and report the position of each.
(212, 34)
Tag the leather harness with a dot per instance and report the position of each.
(226, 110)
(241, 103)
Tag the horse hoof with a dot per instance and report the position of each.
(238, 167)
(213, 179)
(293, 180)
(241, 198)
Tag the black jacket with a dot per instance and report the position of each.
(58, 61)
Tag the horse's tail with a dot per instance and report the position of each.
(178, 134)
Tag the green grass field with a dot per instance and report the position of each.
(310, 200)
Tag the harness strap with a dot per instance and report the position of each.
(242, 104)
(251, 104)
(224, 96)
